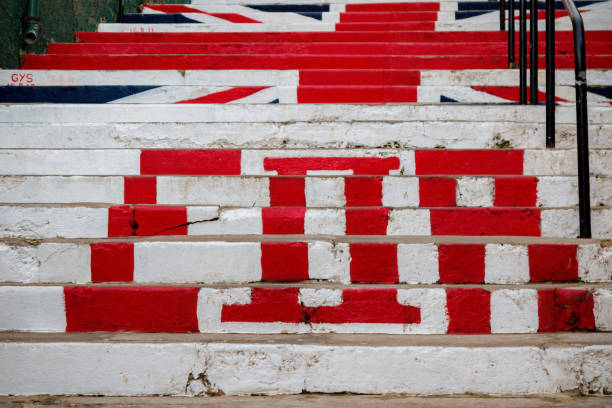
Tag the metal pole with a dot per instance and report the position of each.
(31, 23)
(120, 12)
(511, 36)
(533, 54)
(502, 15)
(523, 52)
(550, 73)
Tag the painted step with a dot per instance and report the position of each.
(502, 77)
(204, 365)
(179, 309)
(477, 48)
(218, 262)
(174, 62)
(384, 36)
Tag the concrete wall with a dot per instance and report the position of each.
(59, 19)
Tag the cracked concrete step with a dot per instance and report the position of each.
(223, 262)
(280, 309)
(247, 365)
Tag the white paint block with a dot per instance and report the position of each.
(207, 190)
(75, 189)
(210, 304)
(417, 263)
(594, 263)
(407, 163)
(475, 192)
(66, 263)
(560, 223)
(514, 311)
(409, 222)
(325, 192)
(506, 263)
(69, 162)
(32, 308)
(329, 261)
(187, 262)
(557, 191)
(400, 192)
(18, 264)
(432, 302)
(602, 223)
(603, 309)
(242, 221)
(320, 297)
(324, 222)
(50, 222)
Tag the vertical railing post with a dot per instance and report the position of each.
(523, 52)
(550, 73)
(533, 53)
(502, 15)
(511, 36)
(120, 12)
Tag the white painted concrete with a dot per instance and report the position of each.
(32, 309)
(514, 311)
(506, 263)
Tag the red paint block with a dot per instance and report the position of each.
(190, 162)
(469, 311)
(469, 162)
(287, 192)
(400, 26)
(367, 221)
(356, 94)
(393, 7)
(484, 221)
(283, 220)
(374, 263)
(516, 191)
(384, 16)
(459, 263)
(112, 262)
(227, 96)
(359, 77)
(363, 166)
(284, 261)
(437, 192)
(565, 310)
(144, 309)
(267, 305)
(367, 306)
(140, 190)
(160, 220)
(551, 262)
(363, 191)
(121, 221)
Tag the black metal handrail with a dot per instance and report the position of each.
(120, 12)
(580, 68)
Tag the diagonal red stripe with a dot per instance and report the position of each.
(227, 95)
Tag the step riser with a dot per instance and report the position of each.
(214, 368)
(295, 310)
(209, 263)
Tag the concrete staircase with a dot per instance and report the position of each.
(222, 200)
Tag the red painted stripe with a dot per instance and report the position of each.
(516, 191)
(367, 306)
(283, 220)
(356, 94)
(380, 36)
(370, 17)
(144, 309)
(469, 162)
(394, 7)
(484, 221)
(565, 310)
(359, 77)
(228, 95)
(363, 191)
(469, 311)
(284, 261)
(121, 221)
(437, 192)
(190, 162)
(403, 26)
(112, 262)
(553, 262)
(367, 221)
(287, 192)
(363, 166)
(374, 263)
(267, 305)
(125, 221)
(460, 263)
(178, 9)
(140, 190)
(511, 93)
